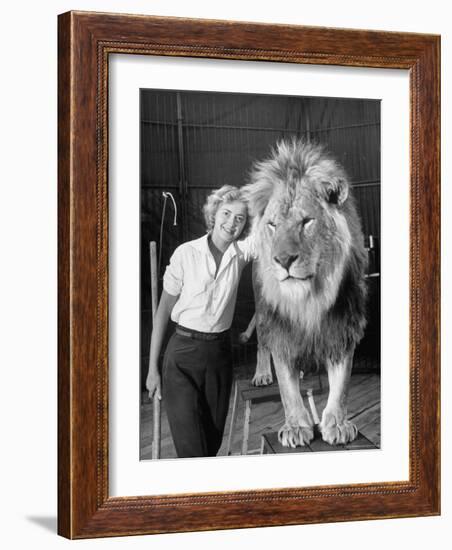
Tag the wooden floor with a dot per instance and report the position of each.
(363, 407)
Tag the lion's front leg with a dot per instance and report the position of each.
(334, 426)
(298, 427)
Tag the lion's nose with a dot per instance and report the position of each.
(285, 260)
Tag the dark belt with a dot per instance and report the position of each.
(196, 335)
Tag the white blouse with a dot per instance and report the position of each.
(206, 303)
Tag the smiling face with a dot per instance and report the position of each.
(230, 220)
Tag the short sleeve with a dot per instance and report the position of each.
(173, 279)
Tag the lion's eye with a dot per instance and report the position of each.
(306, 222)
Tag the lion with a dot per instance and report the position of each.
(310, 282)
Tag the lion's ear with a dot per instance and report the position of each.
(257, 195)
(335, 190)
(330, 180)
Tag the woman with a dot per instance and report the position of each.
(199, 294)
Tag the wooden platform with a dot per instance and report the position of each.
(253, 395)
(363, 407)
(271, 445)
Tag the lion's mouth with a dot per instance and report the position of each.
(294, 278)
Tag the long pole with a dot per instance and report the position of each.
(156, 434)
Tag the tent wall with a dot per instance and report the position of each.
(193, 142)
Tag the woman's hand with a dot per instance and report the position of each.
(154, 384)
(244, 337)
(153, 380)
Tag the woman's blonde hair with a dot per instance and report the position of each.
(224, 195)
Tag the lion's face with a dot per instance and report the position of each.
(301, 240)
(292, 235)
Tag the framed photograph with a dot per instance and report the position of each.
(316, 303)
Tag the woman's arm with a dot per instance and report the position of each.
(245, 336)
(166, 304)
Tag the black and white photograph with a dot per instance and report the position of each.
(259, 274)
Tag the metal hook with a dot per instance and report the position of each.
(167, 194)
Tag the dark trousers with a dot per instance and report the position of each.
(196, 385)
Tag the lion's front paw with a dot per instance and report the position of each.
(294, 436)
(262, 379)
(337, 433)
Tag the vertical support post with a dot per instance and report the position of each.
(183, 191)
(156, 416)
(315, 415)
(233, 416)
(307, 117)
(246, 427)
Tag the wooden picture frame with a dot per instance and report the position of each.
(85, 42)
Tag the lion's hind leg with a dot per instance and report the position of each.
(297, 429)
(263, 374)
(334, 426)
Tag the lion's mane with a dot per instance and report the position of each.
(321, 317)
